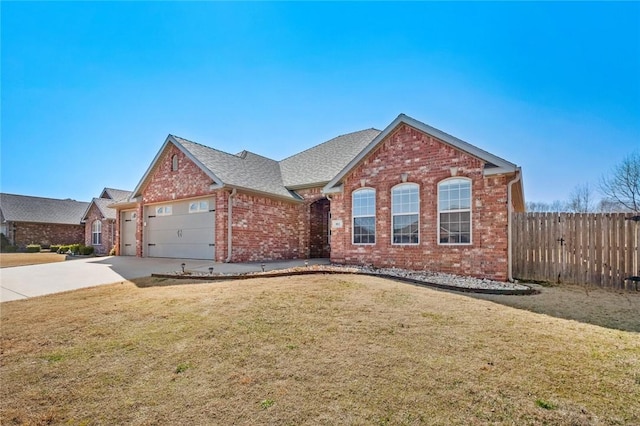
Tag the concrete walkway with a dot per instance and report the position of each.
(22, 282)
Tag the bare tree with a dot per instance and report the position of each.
(623, 185)
(609, 206)
(537, 206)
(541, 207)
(582, 199)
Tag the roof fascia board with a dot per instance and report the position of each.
(295, 198)
(307, 186)
(503, 165)
(336, 189)
(123, 205)
(172, 140)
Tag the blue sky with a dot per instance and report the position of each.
(91, 90)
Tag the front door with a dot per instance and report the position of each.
(319, 217)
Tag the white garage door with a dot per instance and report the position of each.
(181, 229)
(128, 229)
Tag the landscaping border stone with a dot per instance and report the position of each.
(499, 289)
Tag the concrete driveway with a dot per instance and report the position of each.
(22, 282)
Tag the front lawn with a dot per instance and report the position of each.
(8, 260)
(334, 349)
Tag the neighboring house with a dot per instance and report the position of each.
(45, 221)
(409, 196)
(100, 220)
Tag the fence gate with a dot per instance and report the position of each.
(581, 248)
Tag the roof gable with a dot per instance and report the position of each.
(493, 164)
(23, 208)
(115, 194)
(103, 206)
(178, 143)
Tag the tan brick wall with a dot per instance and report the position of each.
(427, 162)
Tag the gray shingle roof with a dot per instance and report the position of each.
(115, 194)
(244, 170)
(22, 208)
(315, 166)
(108, 197)
(320, 164)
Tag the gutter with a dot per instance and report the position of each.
(509, 226)
(232, 194)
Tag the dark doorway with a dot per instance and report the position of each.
(319, 229)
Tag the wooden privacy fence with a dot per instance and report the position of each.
(580, 248)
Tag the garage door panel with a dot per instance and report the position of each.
(180, 234)
(128, 238)
(177, 250)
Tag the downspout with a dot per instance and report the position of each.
(509, 220)
(232, 194)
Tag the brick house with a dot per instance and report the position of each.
(409, 196)
(35, 220)
(100, 220)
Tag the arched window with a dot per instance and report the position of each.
(454, 211)
(364, 216)
(96, 233)
(405, 213)
(174, 162)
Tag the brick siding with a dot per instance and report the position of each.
(22, 234)
(427, 161)
(269, 229)
(108, 231)
(263, 228)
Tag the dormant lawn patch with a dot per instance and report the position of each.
(8, 260)
(338, 349)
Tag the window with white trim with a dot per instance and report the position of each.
(405, 212)
(364, 216)
(163, 211)
(198, 206)
(96, 233)
(454, 211)
(174, 162)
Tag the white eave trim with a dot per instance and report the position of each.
(502, 166)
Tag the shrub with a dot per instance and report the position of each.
(34, 248)
(5, 245)
(86, 250)
(55, 248)
(73, 248)
(112, 252)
